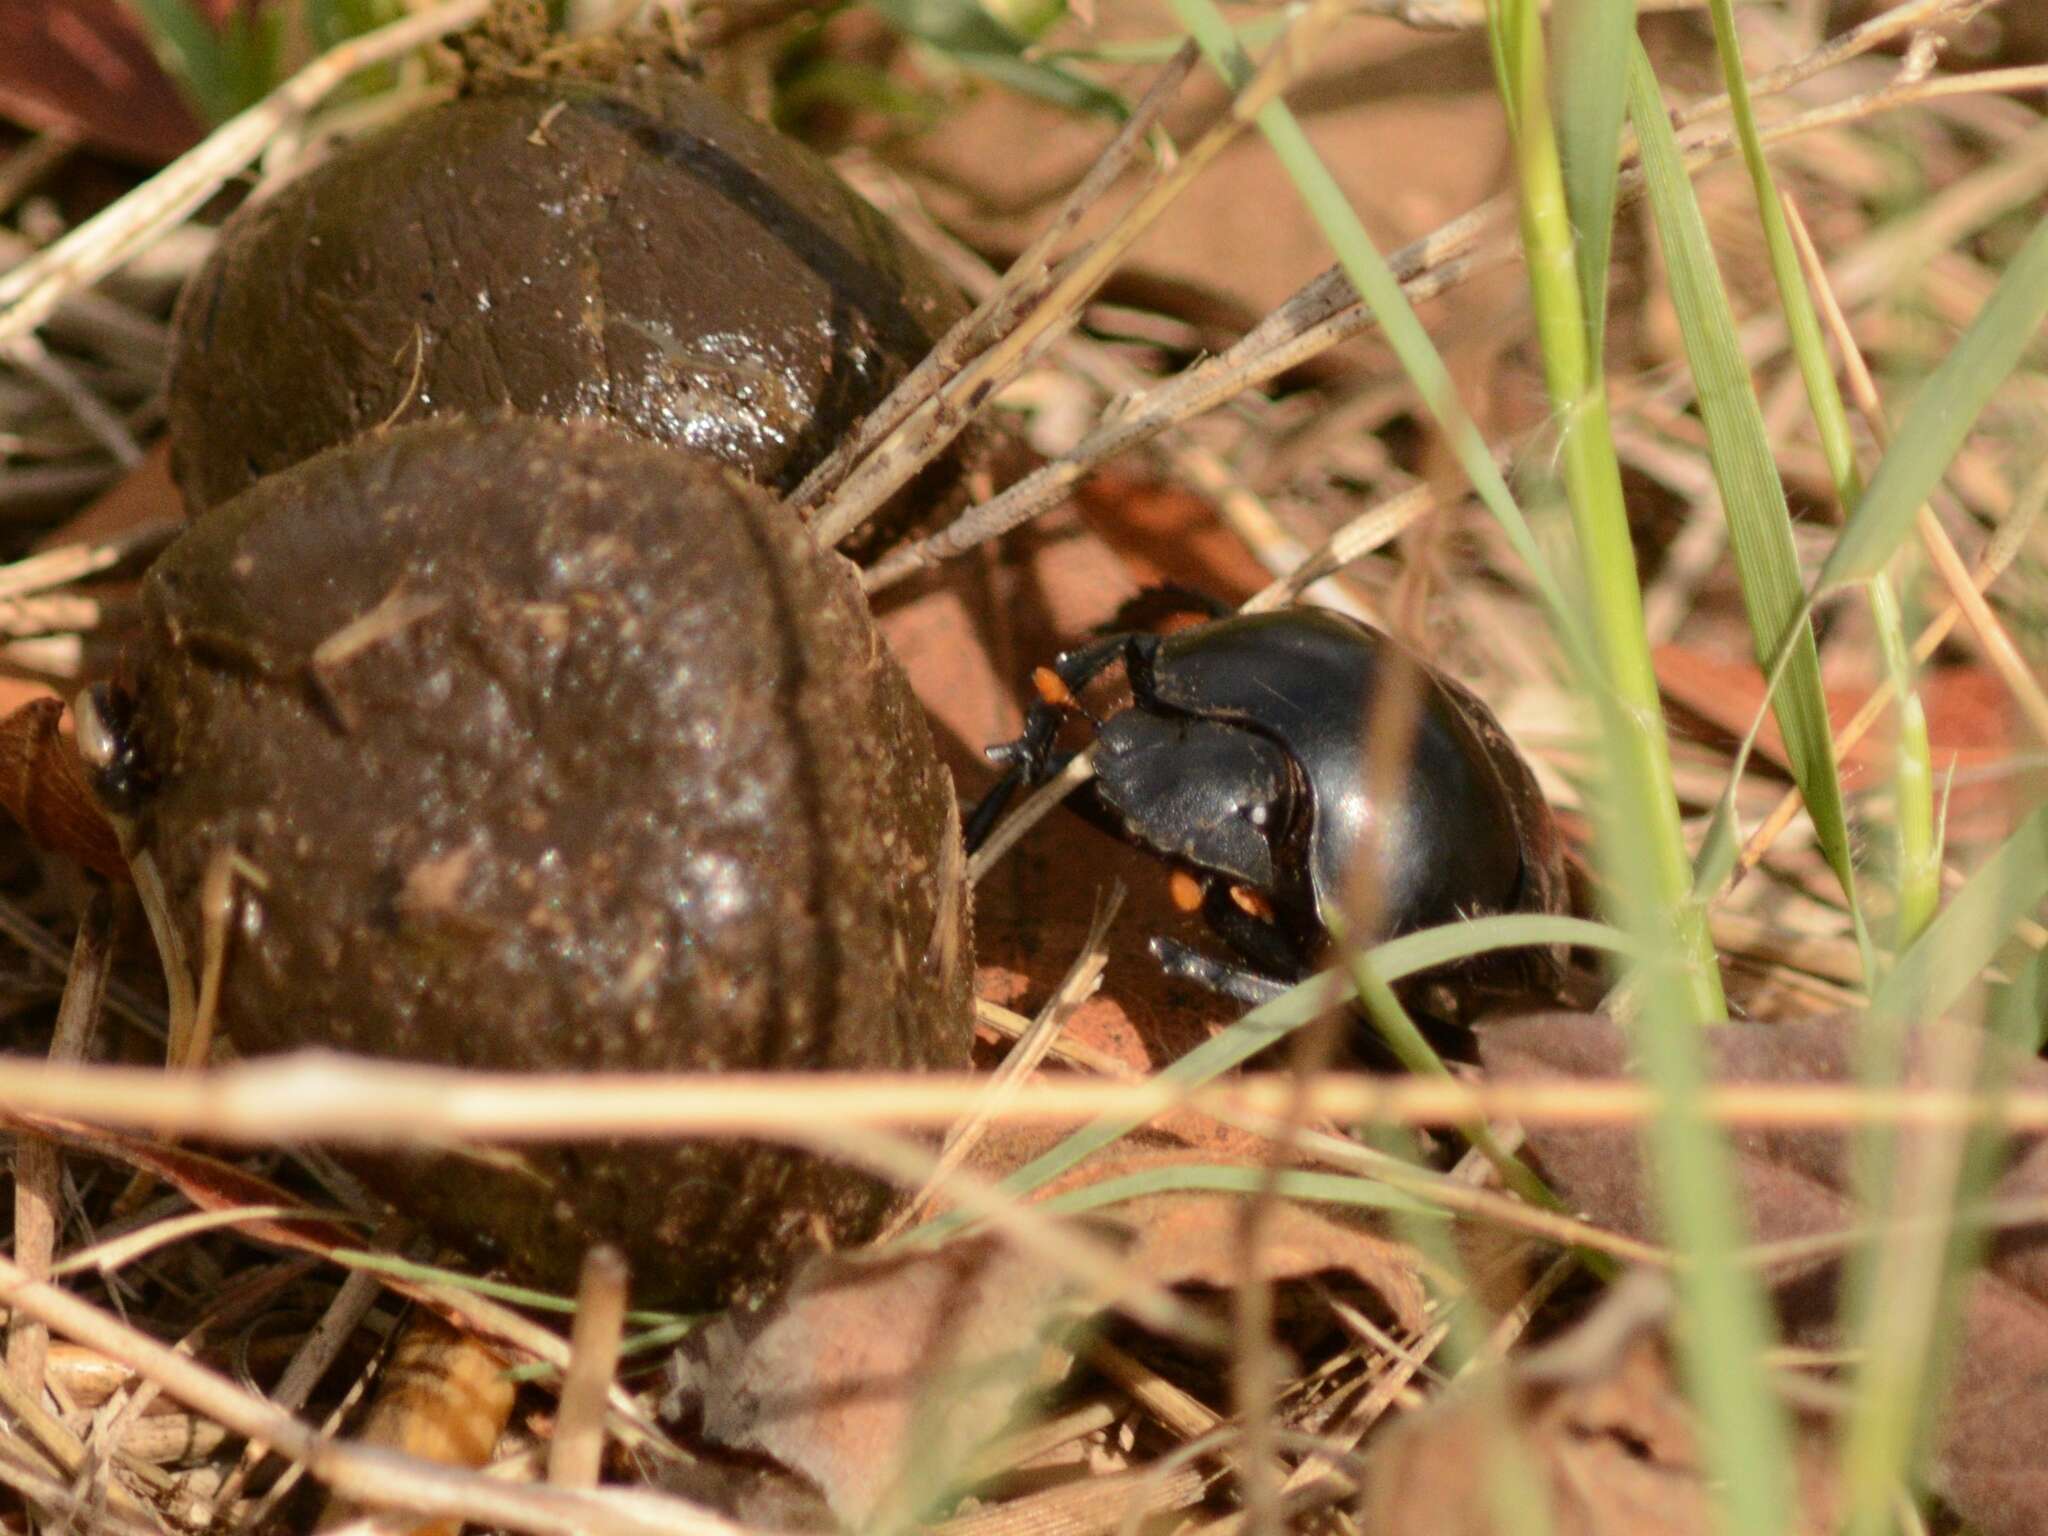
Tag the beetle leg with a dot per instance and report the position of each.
(1030, 756)
(1025, 768)
(1239, 982)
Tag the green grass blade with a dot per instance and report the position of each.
(1960, 943)
(1752, 495)
(1381, 290)
(194, 53)
(1724, 1327)
(1272, 1022)
(1593, 41)
(1943, 412)
(1212, 1178)
(1913, 814)
(1620, 674)
(977, 42)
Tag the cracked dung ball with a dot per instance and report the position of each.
(638, 251)
(531, 771)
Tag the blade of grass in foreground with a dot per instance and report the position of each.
(1594, 40)
(1960, 943)
(1942, 414)
(1616, 652)
(1752, 494)
(1272, 1022)
(1183, 1178)
(1916, 870)
(1621, 677)
(1381, 291)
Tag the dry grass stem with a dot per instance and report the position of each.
(576, 1452)
(1011, 1025)
(1998, 646)
(321, 1097)
(1326, 312)
(38, 1166)
(376, 1479)
(1000, 309)
(1996, 557)
(1082, 981)
(74, 562)
(927, 430)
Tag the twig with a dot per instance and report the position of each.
(107, 239)
(1020, 287)
(375, 1478)
(38, 1166)
(940, 419)
(319, 1096)
(1080, 983)
(577, 1449)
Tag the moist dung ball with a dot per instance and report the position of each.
(556, 751)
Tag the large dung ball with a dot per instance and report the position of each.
(553, 750)
(640, 251)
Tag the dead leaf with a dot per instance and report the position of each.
(43, 787)
(1604, 1432)
(84, 68)
(1191, 1237)
(1993, 1462)
(879, 1377)
(208, 1182)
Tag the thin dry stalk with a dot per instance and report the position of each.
(309, 1362)
(37, 361)
(1998, 647)
(934, 424)
(74, 562)
(2000, 553)
(577, 1451)
(318, 1096)
(999, 310)
(1082, 981)
(1012, 1025)
(1326, 312)
(38, 1165)
(377, 1479)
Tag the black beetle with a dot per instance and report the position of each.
(1242, 759)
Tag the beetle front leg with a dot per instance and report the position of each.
(1031, 756)
(1239, 982)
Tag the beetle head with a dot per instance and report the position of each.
(1213, 795)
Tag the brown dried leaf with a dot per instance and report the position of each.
(84, 68)
(879, 1377)
(43, 787)
(208, 1182)
(1609, 1438)
(1799, 1183)
(1192, 1237)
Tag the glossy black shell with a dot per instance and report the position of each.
(1471, 823)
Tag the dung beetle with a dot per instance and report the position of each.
(1242, 758)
